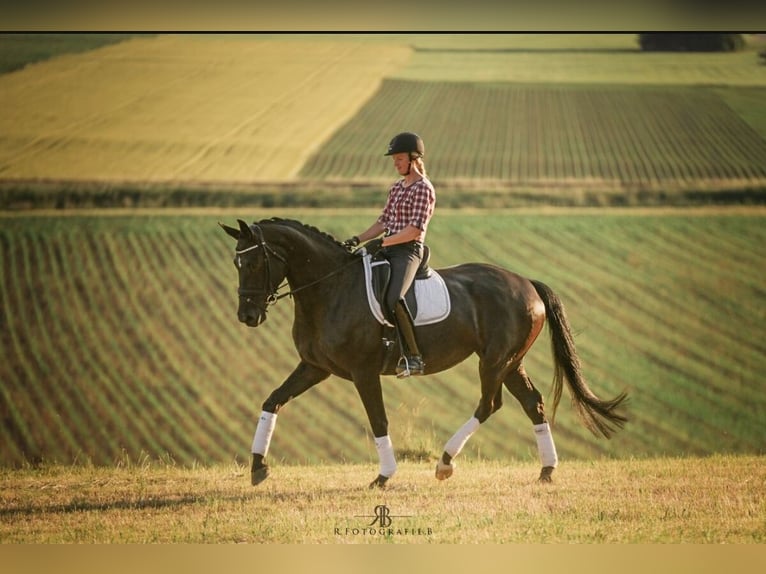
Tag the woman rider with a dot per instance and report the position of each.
(403, 224)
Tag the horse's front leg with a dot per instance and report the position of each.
(371, 393)
(302, 378)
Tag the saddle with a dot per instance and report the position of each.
(427, 298)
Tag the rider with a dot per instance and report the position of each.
(403, 224)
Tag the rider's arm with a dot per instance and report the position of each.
(372, 232)
(409, 233)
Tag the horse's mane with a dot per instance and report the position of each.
(302, 226)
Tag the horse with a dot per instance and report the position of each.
(495, 313)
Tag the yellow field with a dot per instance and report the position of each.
(185, 107)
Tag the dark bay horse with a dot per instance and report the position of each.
(495, 313)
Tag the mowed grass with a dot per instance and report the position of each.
(120, 337)
(711, 500)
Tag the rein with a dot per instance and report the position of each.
(272, 298)
(302, 287)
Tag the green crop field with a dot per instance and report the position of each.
(120, 338)
(556, 136)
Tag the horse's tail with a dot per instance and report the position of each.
(598, 415)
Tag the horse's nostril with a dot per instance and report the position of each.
(250, 318)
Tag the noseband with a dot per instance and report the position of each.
(270, 292)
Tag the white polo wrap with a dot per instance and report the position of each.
(545, 446)
(457, 442)
(263, 433)
(386, 455)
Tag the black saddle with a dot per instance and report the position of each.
(381, 277)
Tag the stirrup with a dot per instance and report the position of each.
(409, 366)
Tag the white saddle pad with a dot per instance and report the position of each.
(431, 294)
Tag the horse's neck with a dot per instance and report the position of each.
(310, 259)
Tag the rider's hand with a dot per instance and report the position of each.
(351, 243)
(374, 246)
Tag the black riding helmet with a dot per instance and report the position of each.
(407, 142)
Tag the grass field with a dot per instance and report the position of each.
(120, 336)
(687, 500)
(612, 59)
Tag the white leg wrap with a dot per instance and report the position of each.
(457, 442)
(263, 433)
(545, 446)
(386, 456)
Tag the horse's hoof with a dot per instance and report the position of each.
(545, 475)
(444, 471)
(379, 482)
(258, 475)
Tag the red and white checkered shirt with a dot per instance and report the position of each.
(413, 205)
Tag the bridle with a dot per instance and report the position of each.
(271, 293)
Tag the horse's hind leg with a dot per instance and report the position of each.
(490, 402)
(521, 387)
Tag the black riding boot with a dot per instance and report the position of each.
(412, 362)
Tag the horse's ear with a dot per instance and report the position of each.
(230, 230)
(244, 229)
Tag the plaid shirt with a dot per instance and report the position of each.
(413, 205)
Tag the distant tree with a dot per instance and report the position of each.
(690, 42)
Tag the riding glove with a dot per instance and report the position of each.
(351, 243)
(374, 246)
